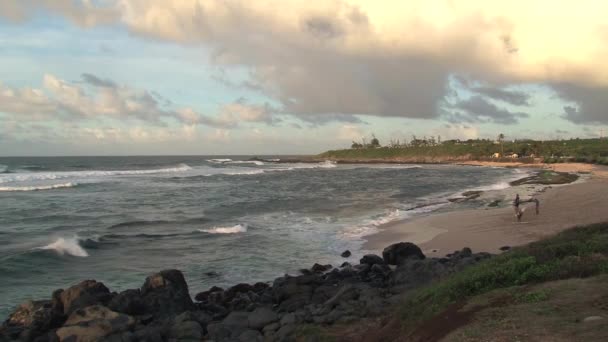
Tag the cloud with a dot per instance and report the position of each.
(98, 82)
(350, 133)
(85, 13)
(478, 109)
(516, 98)
(389, 58)
(588, 104)
(96, 98)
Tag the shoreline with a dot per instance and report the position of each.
(489, 229)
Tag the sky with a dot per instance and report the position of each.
(218, 77)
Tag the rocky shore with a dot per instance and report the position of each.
(163, 310)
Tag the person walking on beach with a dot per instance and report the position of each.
(537, 202)
(516, 204)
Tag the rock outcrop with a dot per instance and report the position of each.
(162, 309)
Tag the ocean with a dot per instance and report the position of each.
(221, 220)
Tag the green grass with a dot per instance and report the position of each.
(575, 253)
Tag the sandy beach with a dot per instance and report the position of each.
(490, 229)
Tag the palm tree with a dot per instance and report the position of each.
(501, 138)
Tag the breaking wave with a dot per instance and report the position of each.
(239, 228)
(69, 246)
(219, 161)
(38, 188)
(38, 176)
(256, 162)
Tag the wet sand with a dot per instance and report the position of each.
(488, 229)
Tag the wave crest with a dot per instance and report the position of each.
(69, 246)
(40, 176)
(38, 187)
(239, 228)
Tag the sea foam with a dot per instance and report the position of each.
(69, 246)
(239, 228)
(39, 176)
(38, 187)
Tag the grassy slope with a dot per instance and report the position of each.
(550, 311)
(521, 278)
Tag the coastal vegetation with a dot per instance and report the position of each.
(525, 150)
(576, 253)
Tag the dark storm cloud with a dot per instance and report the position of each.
(591, 103)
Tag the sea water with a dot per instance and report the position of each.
(221, 220)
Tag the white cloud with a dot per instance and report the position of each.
(384, 58)
(350, 133)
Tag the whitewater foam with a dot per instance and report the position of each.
(371, 226)
(239, 228)
(40, 176)
(256, 162)
(219, 161)
(69, 246)
(3, 168)
(38, 187)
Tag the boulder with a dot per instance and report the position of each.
(317, 268)
(204, 296)
(166, 293)
(398, 253)
(285, 332)
(94, 323)
(149, 333)
(371, 259)
(261, 317)
(239, 288)
(250, 336)
(466, 252)
(86, 293)
(346, 292)
(128, 302)
(260, 287)
(289, 318)
(237, 319)
(186, 330)
(346, 254)
(221, 332)
(32, 319)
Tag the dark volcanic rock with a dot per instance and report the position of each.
(166, 293)
(88, 292)
(128, 302)
(346, 254)
(30, 320)
(239, 288)
(94, 323)
(207, 295)
(261, 317)
(317, 268)
(398, 253)
(371, 259)
(465, 252)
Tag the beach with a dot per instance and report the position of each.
(489, 229)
